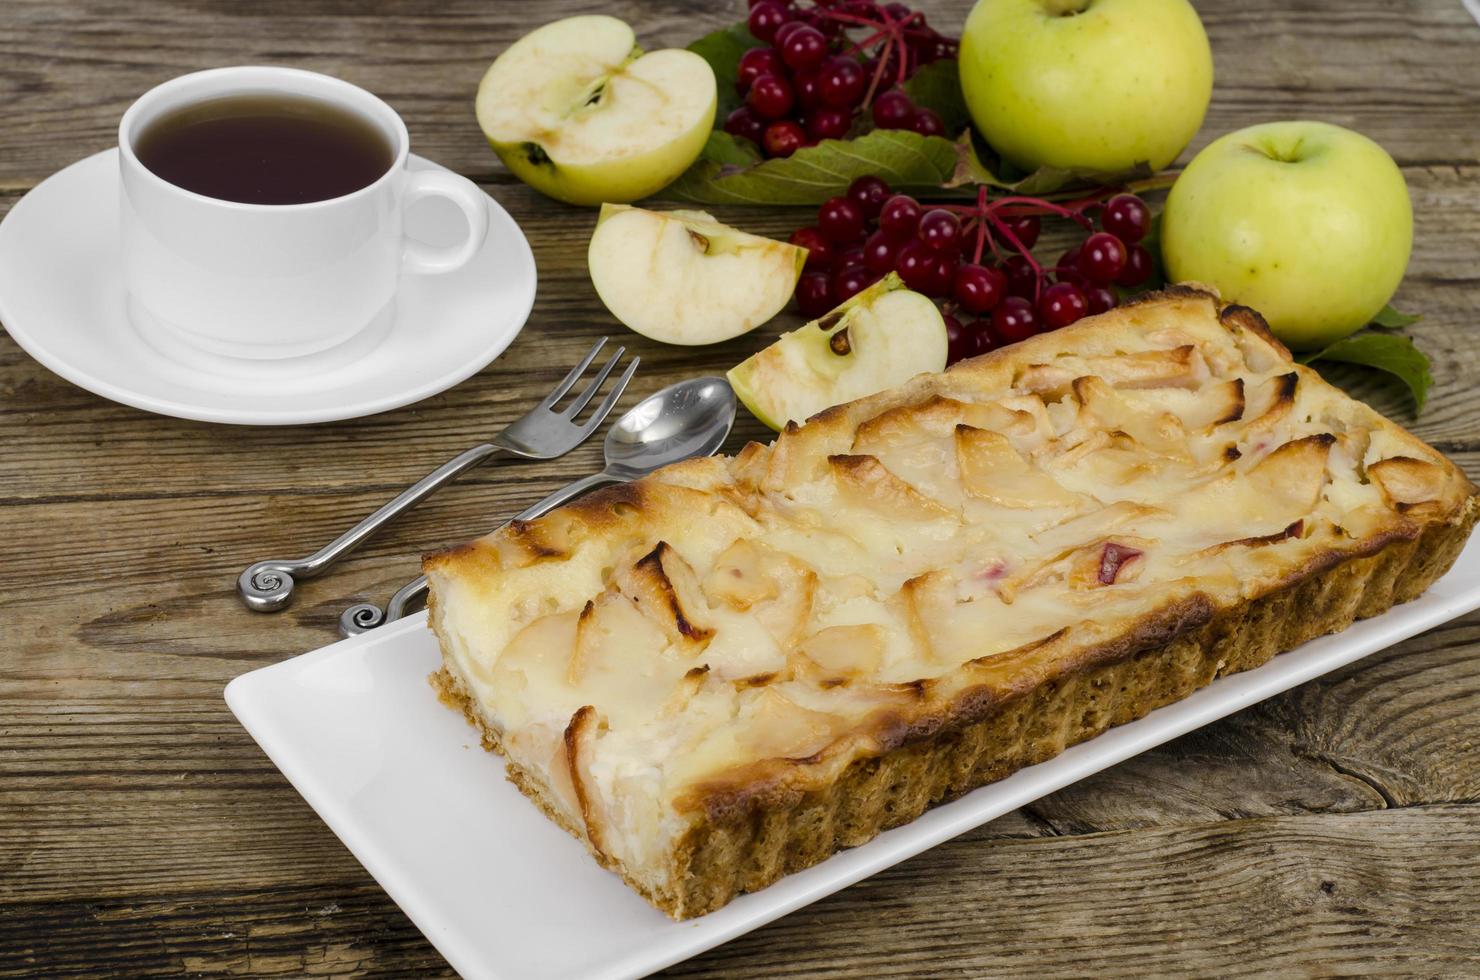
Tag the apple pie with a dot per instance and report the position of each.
(727, 671)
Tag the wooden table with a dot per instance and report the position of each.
(1333, 829)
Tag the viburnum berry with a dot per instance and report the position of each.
(766, 19)
(1013, 320)
(755, 63)
(814, 293)
(841, 82)
(1126, 217)
(743, 122)
(944, 278)
(917, 265)
(819, 249)
(1099, 299)
(964, 340)
(978, 288)
(1022, 281)
(849, 257)
(879, 252)
(1061, 304)
(894, 110)
(940, 229)
(785, 31)
(840, 219)
(850, 282)
(900, 216)
(1138, 267)
(1101, 257)
(771, 96)
(927, 122)
(784, 138)
(804, 48)
(1025, 228)
(869, 193)
(827, 124)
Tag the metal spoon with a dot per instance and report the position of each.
(691, 418)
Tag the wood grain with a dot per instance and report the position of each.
(1333, 829)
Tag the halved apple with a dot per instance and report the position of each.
(577, 111)
(881, 337)
(683, 278)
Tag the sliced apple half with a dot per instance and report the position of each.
(577, 111)
(683, 278)
(881, 337)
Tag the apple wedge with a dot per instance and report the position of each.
(681, 277)
(578, 112)
(881, 337)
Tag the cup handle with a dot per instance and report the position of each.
(472, 202)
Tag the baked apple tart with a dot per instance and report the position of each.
(729, 670)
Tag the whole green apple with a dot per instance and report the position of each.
(1306, 222)
(1095, 85)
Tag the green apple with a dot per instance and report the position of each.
(578, 112)
(1097, 85)
(881, 337)
(1306, 222)
(683, 278)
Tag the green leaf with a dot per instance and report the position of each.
(1388, 352)
(977, 164)
(1390, 319)
(722, 49)
(908, 162)
(730, 151)
(937, 86)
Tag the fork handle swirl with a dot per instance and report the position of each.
(267, 586)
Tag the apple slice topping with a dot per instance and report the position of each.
(992, 470)
(681, 277)
(879, 338)
(577, 111)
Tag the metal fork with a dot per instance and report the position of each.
(541, 433)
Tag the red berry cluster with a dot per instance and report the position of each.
(810, 80)
(942, 251)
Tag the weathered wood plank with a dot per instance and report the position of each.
(1381, 892)
(1400, 72)
(1291, 895)
(1332, 829)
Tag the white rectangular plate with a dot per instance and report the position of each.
(504, 893)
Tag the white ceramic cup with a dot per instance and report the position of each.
(260, 281)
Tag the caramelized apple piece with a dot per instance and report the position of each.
(1181, 367)
(992, 470)
(776, 727)
(579, 734)
(842, 653)
(666, 589)
(613, 637)
(1410, 486)
(1270, 405)
(1284, 487)
(866, 482)
(1107, 409)
(739, 578)
(785, 615)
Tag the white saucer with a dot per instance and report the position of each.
(62, 299)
